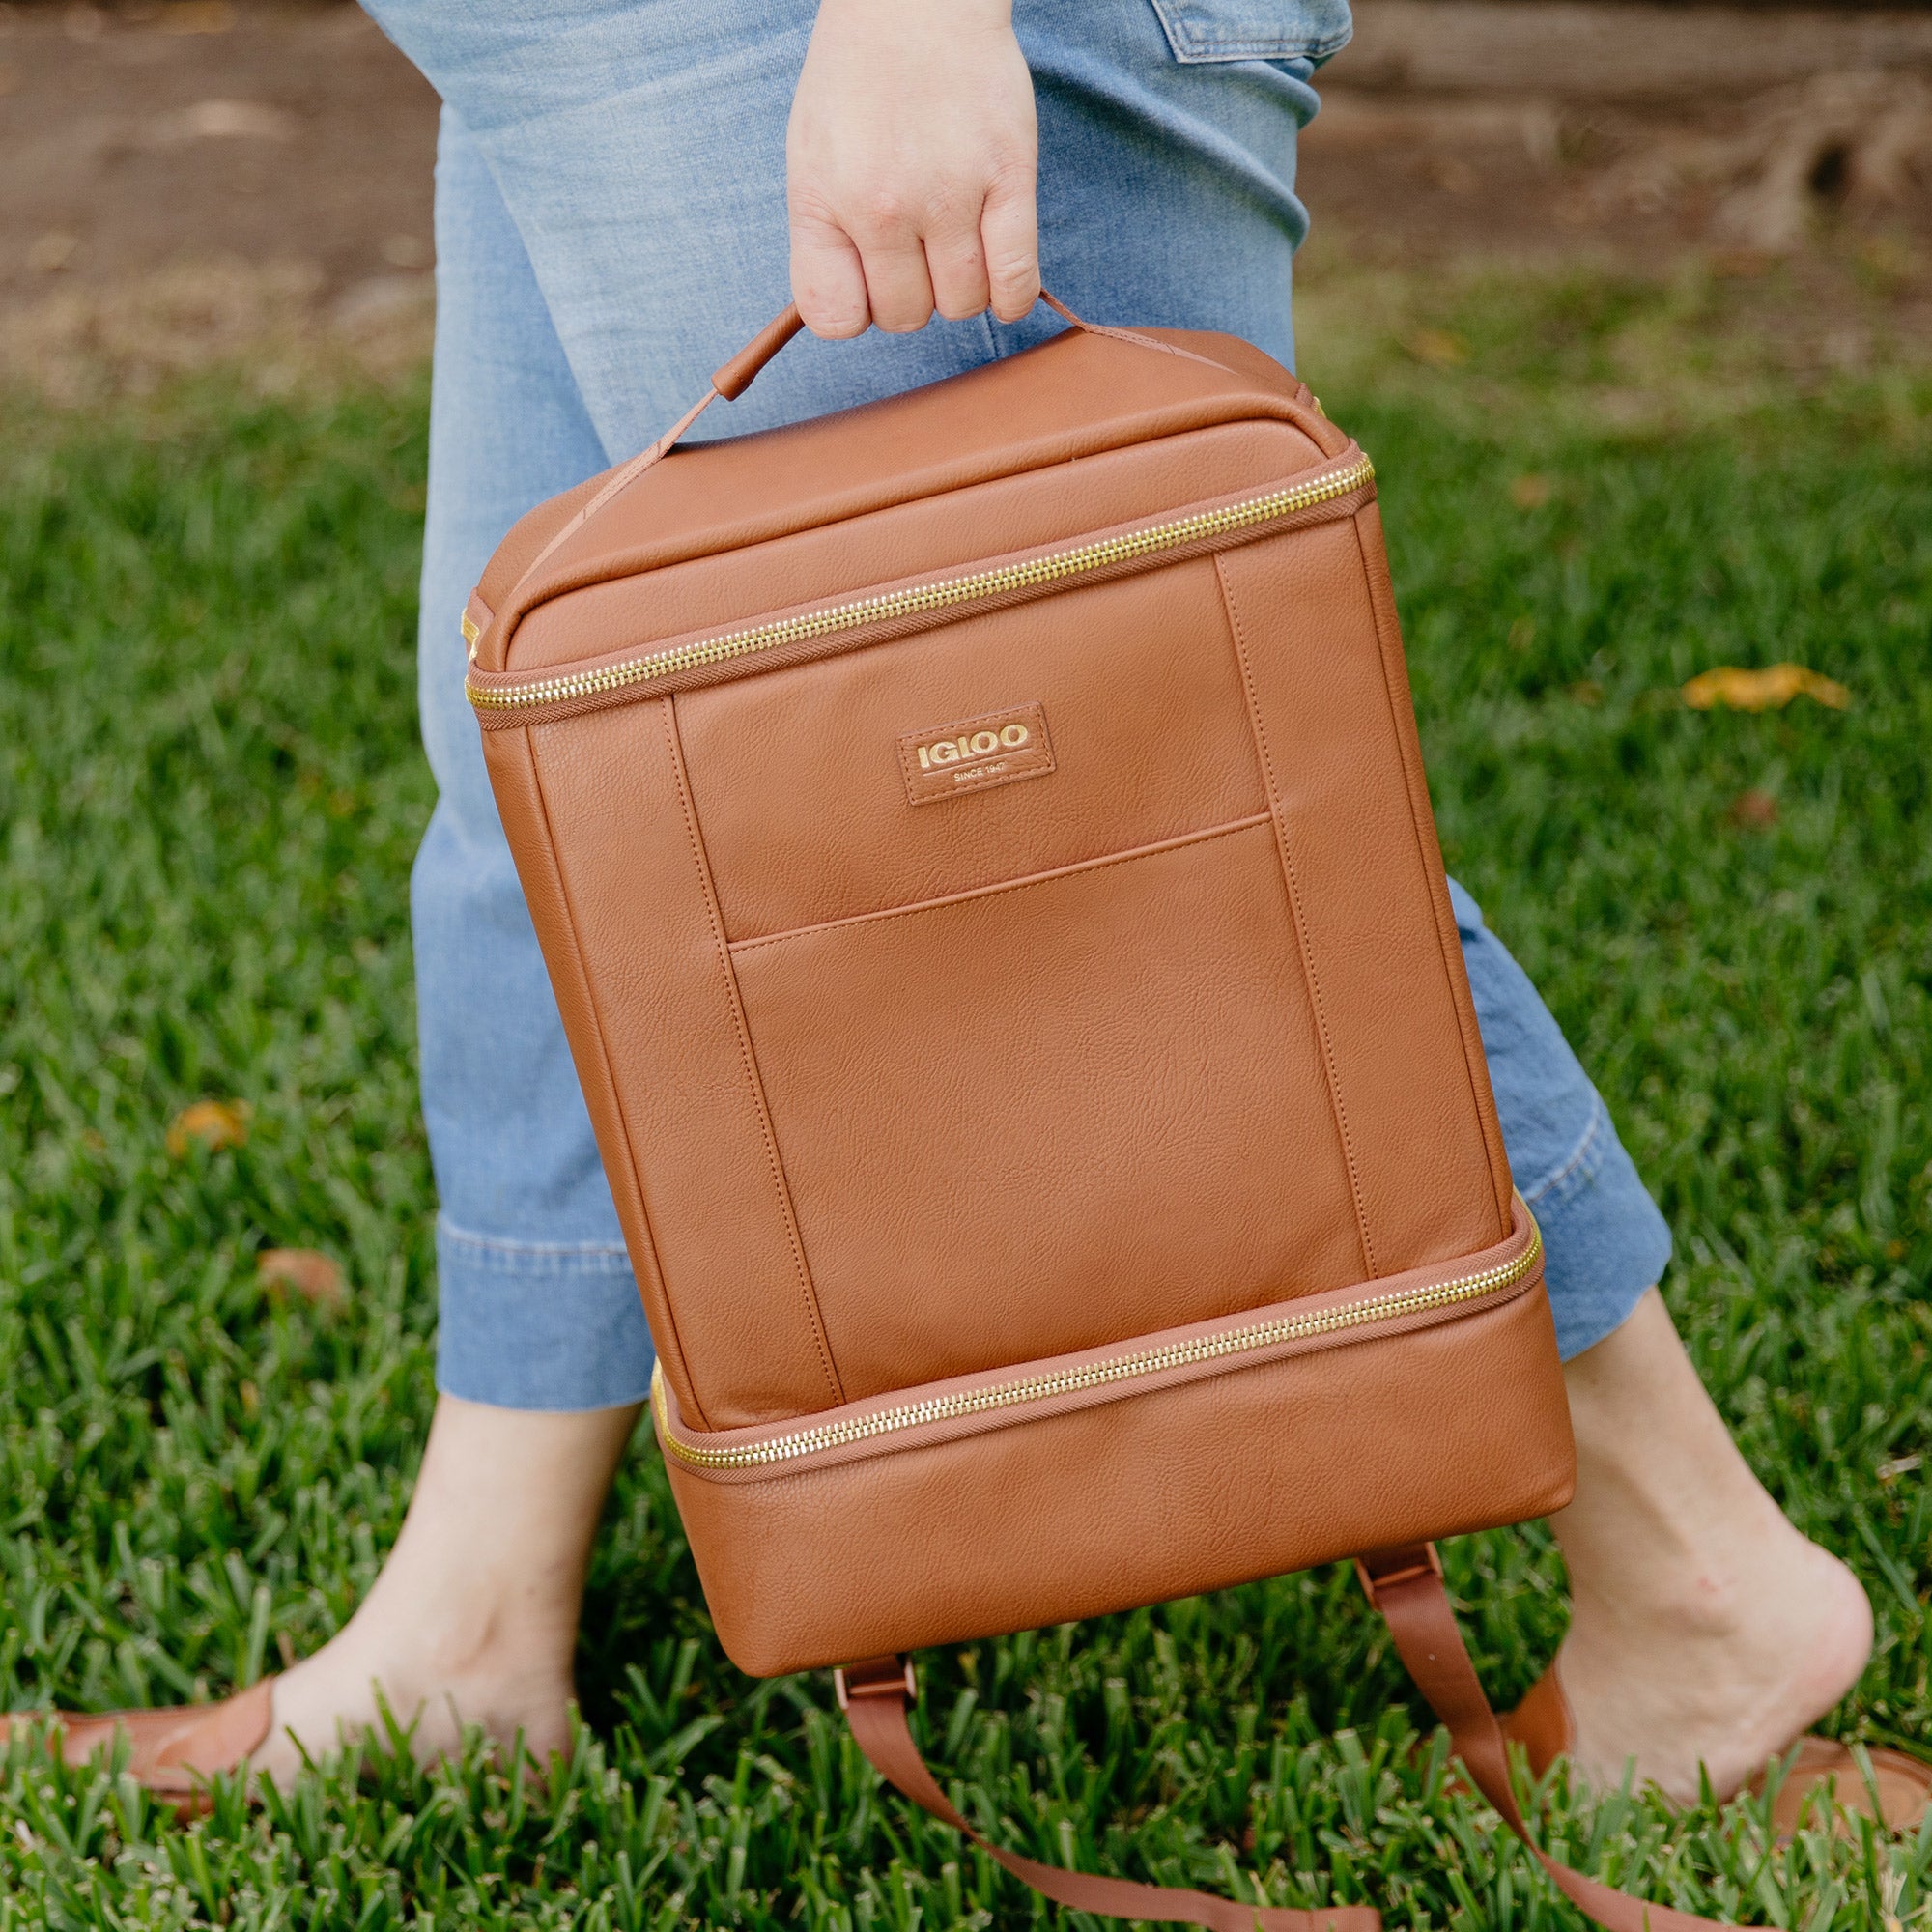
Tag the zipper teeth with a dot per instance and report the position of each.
(937, 595)
(1095, 1375)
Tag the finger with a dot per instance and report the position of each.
(899, 288)
(1009, 234)
(828, 279)
(955, 265)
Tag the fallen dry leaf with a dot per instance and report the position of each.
(1437, 348)
(1767, 690)
(312, 1274)
(1530, 492)
(1752, 811)
(215, 1124)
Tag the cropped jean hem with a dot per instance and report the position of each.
(538, 1325)
(1606, 1245)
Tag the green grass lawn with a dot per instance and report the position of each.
(209, 792)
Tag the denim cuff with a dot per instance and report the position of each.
(1605, 1241)
(539, 1325)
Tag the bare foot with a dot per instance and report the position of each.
(336, 1699)
(1705, 1630)
(474, 1618)
(1731, 1677)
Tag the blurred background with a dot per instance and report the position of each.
(185, 177)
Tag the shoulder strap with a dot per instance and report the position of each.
(1406, 1586)
(877, 1696)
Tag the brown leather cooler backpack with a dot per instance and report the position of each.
(980, 850)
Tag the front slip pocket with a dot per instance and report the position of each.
(977, 1098)
(1421, 1405)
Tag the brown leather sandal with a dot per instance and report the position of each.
(171, 1753)
(1546, 1728)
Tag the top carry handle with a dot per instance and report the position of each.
(734, 378)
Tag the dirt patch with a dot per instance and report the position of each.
(190, 184)
(199, 132)
(191, 181)
(1778, 161)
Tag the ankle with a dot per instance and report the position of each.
(1756, 1583)
(448, 1607)
(1713, 1680)
(423, 1635)
(479, 1642)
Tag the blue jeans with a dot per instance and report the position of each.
(610, 226)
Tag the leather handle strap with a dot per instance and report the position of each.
(735, 377)
(1406, 1586)
(876, 1696)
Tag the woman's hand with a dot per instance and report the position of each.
(911, 157)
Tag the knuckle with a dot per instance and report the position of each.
(958, 282)
(808, 206)
(953, 209)
(881, 214)
(1014, 179)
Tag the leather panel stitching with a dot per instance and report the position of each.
(748, 1057)
(1446, 936)
(1004, 885)
(1329, 1062)
(549, 850)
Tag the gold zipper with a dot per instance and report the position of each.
(1131, 1366)
(942, 593)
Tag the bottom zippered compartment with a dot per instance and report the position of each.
(1422, 1405)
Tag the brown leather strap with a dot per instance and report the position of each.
(1406, 1586)
(877, 1696)
(619, 479)
(735, 377)
(1132, 335)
